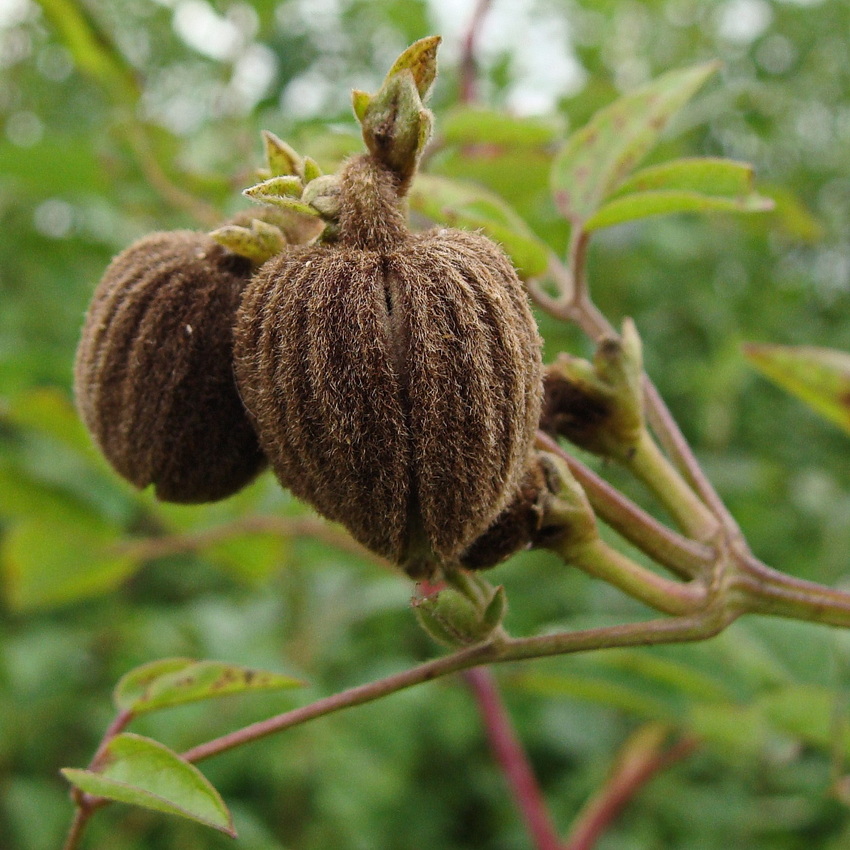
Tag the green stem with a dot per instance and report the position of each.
(602, 561)
(768, 591)
(575, 305)
(687, 509)
(682, 556)
(698, 626)
(75, 833)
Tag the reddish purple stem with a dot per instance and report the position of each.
(512, 758)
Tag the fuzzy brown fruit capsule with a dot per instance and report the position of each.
(394, 378)
(154, 372)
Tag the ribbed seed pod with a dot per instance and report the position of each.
(394, 378)
(154, 372)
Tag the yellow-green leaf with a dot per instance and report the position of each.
(666, 202)
(142, 772)
(468, 206)
(818, 376)
(596, 159)
(175, 681)
(45, 563)
(705, 175)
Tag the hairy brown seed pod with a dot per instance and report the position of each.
(154, 373)
(394, 378)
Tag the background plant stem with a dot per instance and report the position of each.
(512, 758)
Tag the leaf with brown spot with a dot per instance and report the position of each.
(818, 376)
(175, 681)
(599, 156)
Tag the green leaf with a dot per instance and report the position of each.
(664, 671)
(475, 125)
(818, 376)
(598, 157)
(611, 694)
(142, 772)
(646, 204)
(175, 681)
(472, 207)
(49, 411)
(706, 175)
(48, 563)
(93, 50)
(808, 712)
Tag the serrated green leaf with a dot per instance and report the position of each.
(706, 175)
(599, 156)
(472, 207)
(818, 376)
(475, 125)
(666, 202)
(48, 563)
(176, 681)
(145, 773)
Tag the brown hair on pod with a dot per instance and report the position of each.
(394, 378)
(154, 372)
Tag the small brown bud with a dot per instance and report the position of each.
(394, 378)
(515, 528)
(154, 377)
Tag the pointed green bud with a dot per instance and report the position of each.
(322, 194)
(396, 127)
(282, 160)
(276, 187)
(259, 242)
(568, 518)
(311, 169)
(598, 406)
(495, 611)
(360, 101)
(451, 618)
(421, 60)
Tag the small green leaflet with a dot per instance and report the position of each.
(818, 376)
(472, 207)
(597, 158)
(175, 681)
(145, 773)
(683, 185)
(646, 204)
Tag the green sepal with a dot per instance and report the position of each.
(568, 517)
(310, 169)
(496, 609)
(258, 243)
(421, 60)
(322, 194)
(282, 160)
(396, 126)
(605, 397)
(451, 618)
(287, 186)
(360, 101)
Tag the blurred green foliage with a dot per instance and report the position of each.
(118, 118)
